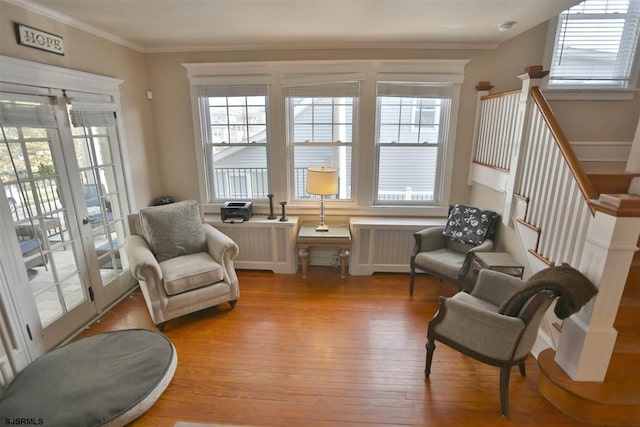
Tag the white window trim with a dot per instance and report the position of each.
(581, 93)
(279, 156)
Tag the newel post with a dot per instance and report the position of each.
(588, 337)
(530, 77)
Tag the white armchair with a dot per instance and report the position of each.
(183, 265)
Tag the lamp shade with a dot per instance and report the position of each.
(322, 181)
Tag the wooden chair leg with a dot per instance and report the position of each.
(161, 326)
(430, 346)
(412, 276)
(523, 371)
(505, 372)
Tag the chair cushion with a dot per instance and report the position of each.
(189, 272)
(476, 302)
(467, 224)
(445, 261)
(173, 230)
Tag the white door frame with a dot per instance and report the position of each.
(36, 75)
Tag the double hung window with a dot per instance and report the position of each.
(236, 138)
(595, 45)
(387, 127)
(321, 132)
(412, 125)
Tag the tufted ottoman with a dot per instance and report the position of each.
(107, 379)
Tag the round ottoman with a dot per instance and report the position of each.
(107, 379)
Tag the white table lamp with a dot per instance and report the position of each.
(322, 181)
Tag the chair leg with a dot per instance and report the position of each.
(412, 276)
(161, 326)
(233, 303)
(430, 346)
(523, 371)
(505, 372)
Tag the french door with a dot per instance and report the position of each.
(62, 175)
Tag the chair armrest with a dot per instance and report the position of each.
(488, 333)
(485, 246)
(220, 245)
(429, 239)
(494, 287)
(144, 265)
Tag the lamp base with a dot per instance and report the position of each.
(322, 227)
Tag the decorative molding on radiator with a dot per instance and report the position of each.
(264, 244)
(384, 244)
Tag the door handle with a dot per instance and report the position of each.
(85, 220)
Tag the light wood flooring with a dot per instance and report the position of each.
(327, 354)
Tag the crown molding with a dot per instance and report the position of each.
(57, 16)
(320, 46)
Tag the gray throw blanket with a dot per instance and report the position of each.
(571, 286)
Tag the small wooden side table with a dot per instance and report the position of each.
(338, 236)
(497, 261)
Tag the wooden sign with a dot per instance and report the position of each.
(38, 39)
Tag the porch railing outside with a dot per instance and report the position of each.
(247, 183)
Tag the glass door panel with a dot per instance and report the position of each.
(34, 188)
(95, 139)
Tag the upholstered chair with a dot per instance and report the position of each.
(183, 264)
(445, 252)
(497, 322)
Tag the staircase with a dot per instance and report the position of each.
(591, 370)
(616, 401)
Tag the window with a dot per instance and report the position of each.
(410, 138)
(595, 45)
(320, 132)
(236, 137)
(387, 126)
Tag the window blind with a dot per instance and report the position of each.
(92, 118)
(329, 90)
(414, 90)
(234, 90)
(27, 115)
(595, 43)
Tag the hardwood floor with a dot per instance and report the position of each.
(327, 354)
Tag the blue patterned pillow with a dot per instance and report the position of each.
(467, 224)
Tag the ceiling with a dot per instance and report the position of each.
(175, 25)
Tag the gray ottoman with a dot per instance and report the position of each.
(109, 379)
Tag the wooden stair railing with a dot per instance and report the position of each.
(556, 187)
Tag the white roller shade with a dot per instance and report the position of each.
(326, 90)
(414, 90)
(81, 118)
(24, 115)
(233, 90)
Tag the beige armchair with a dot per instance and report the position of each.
(183, 264)
(497, 322)
(445, 252)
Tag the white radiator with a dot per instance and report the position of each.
(384, 244)
(264, 244)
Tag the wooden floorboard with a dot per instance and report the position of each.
(327, 354)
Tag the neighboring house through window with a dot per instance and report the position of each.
(410, 140)
(388, 127)
(595, 46)
(235, 131)
(320, 132)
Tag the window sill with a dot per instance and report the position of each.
(582, 94)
